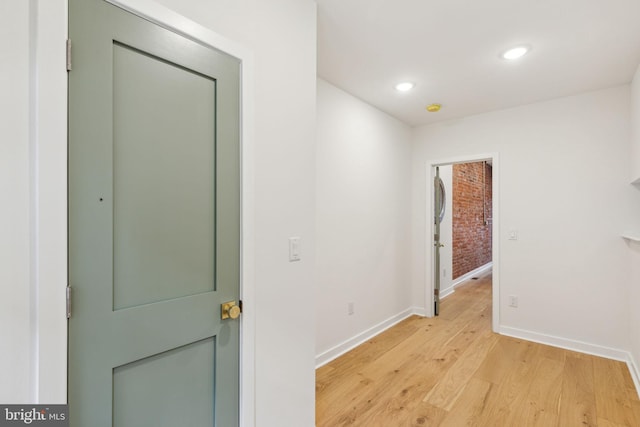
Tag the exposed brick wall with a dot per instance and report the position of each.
(471, 226)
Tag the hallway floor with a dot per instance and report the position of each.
(453, 371)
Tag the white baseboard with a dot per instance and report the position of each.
(337, 351)
(579, 346)
(451, 289)
(472, 273)
(446, 292)
(635, 372)
(567, 344)
(418, 311)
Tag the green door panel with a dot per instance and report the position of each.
(154, 224)
(163, 194)
(185, 373)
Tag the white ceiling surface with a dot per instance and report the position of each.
(451, 48)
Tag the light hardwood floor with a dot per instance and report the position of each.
(453, 371)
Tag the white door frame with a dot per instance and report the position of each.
(49, 127)
(495, 230)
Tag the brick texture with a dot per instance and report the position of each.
(471, 222)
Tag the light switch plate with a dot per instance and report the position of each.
(294, 249)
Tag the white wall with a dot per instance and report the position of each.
(281, 35)
(634, 226)
(564, 186)
(363, 217)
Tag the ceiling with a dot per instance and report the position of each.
(451, 50)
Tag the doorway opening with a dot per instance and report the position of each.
(462, 239)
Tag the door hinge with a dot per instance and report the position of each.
(68, 54)
(436, 292)
(68, 302)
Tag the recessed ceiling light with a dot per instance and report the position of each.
(404, 86)
(515, 52)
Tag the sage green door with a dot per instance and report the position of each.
(154, 224)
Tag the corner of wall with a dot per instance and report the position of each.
(363, 183)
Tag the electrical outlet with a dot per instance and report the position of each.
(513, 301)
(350, 308)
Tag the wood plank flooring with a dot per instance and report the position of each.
(453, 371)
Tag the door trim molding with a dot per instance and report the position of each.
(495, 230)
(48, 201)
(49, 383)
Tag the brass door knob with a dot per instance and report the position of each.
(230, 310)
